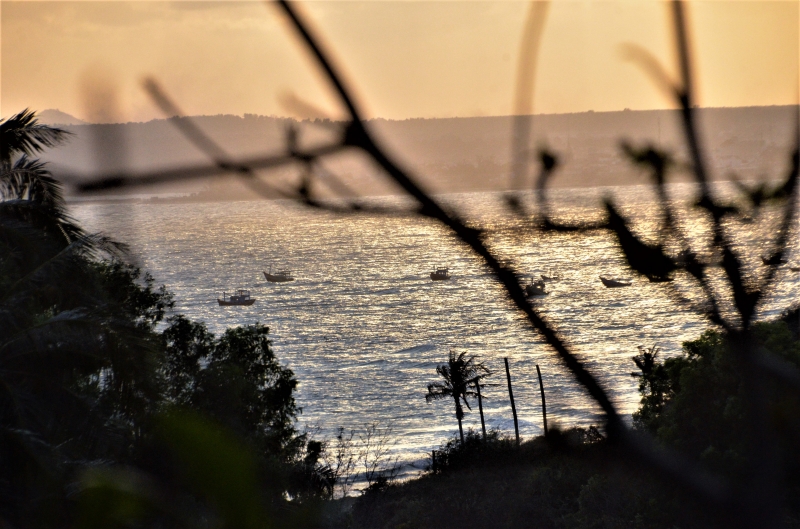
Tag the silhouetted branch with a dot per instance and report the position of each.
(357, 135)
(523, 101)
(652, 68)
(790, 189)
(745, 299)
(124, 179)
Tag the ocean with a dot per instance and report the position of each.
(363, 327)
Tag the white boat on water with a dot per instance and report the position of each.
(615, 282)
(241, 297)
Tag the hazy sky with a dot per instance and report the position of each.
(405, 59)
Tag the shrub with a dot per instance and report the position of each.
(696, 402)
(499, 449)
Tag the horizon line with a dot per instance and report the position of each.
(301, 120)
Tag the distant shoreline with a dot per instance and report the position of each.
(204, 198)
(51, 116)
(448, 154)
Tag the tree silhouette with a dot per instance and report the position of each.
(27, 189)
(75, 333)
(22, 134)
(460, 373)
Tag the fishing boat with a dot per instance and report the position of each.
(241, 297)
(615, 282)
(280, 276)
(440, 273)
(551, 275)
(536, 288)
(768, 261)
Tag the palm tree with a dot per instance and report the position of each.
(460, 373)
(74, 355)
(23, 134)
(28, 192)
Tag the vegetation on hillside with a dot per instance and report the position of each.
(110, 412)
(697, 402)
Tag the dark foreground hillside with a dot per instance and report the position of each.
(559, 484)
(572, 481)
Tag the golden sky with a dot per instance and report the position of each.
(404, 58)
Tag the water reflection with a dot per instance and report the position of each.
(363, 326)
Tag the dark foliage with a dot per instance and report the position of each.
(89, 383)
(236, 380)
(572, 479)
(474, 450)
(697, 402)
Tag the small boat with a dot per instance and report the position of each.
(772, 261)
(440, 273)
(280, 276)
(615, 282)
(242, 297)
(536, 288)
(551, 275)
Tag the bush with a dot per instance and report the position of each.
(453, 454)
(696, 402)
(498, 449)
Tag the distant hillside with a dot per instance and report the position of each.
(456, 154)
(56, 117)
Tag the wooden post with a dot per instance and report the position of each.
(480, 408)
(433, 461)
(511, 397)
(544, 405)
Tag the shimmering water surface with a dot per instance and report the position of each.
(363, 326)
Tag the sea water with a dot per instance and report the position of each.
(363, 327)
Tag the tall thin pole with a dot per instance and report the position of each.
(511, 396)
(480, 407)
(544, 405)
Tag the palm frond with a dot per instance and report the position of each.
(59, 270)
(438, 390)
(30, 179)
(73, 332)
(38, 274)
(51, 219)
(23, 134)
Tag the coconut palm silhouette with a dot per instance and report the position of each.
(460, 374)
